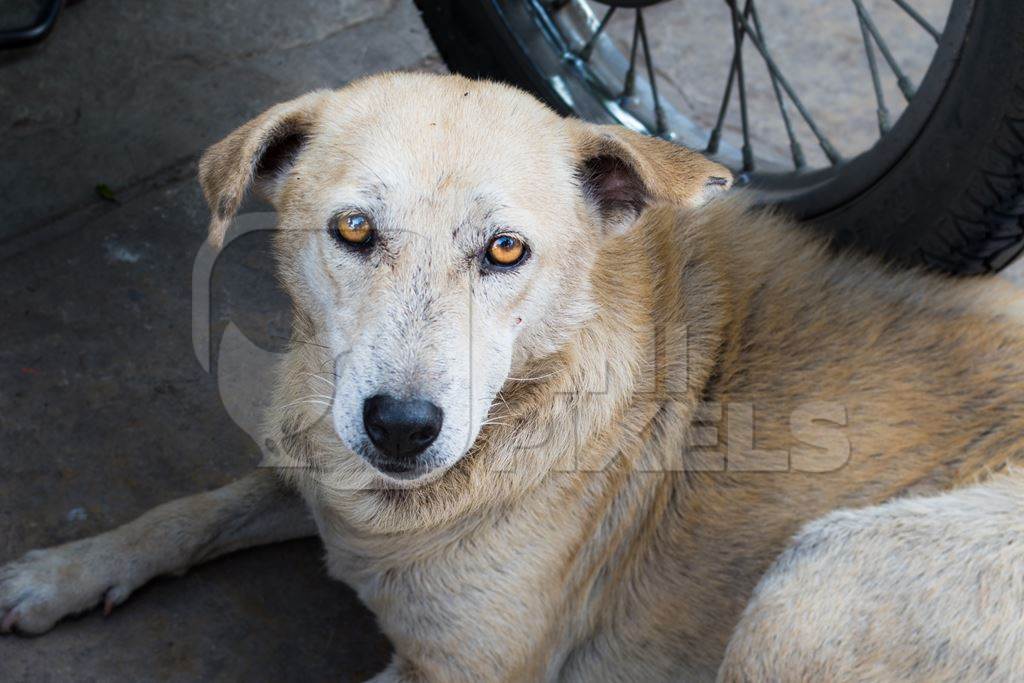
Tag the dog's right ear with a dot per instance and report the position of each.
(621, 173)
(258, 154)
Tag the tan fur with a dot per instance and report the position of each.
(693, 392)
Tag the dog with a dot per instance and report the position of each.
(591, 416)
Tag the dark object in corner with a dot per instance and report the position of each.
(30, 35)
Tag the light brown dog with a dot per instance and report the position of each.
(557, 409)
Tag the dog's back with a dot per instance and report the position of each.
(839, 383)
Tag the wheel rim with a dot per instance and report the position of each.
(573, 59)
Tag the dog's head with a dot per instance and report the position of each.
(436, 233)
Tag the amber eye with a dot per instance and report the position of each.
(505, 250)
(354, 228)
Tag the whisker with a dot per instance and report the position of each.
(311, 400)
(300, 341)
(530, 379)
(319, 376)
(322, 406)
(363, 164)
(507, 406)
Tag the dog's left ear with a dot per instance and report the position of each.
(260, 154)
(621, 173)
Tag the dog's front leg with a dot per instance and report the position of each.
(46, 585)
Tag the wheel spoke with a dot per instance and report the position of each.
(876, 81)
(823, 142)
(629, 83)
(795, 149)
(901, 79)
(737, 38)
(659, 113)
(921, 21)
(716, 133)
(586, 30)
(585, 53)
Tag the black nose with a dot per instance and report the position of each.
(401, 428)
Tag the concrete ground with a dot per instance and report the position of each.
(104, 409)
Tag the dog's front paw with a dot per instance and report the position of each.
(44, 586)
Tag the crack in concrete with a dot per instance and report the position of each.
(287, 47)
(25, 126)
(83, 215)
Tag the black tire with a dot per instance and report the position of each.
(953, 200)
